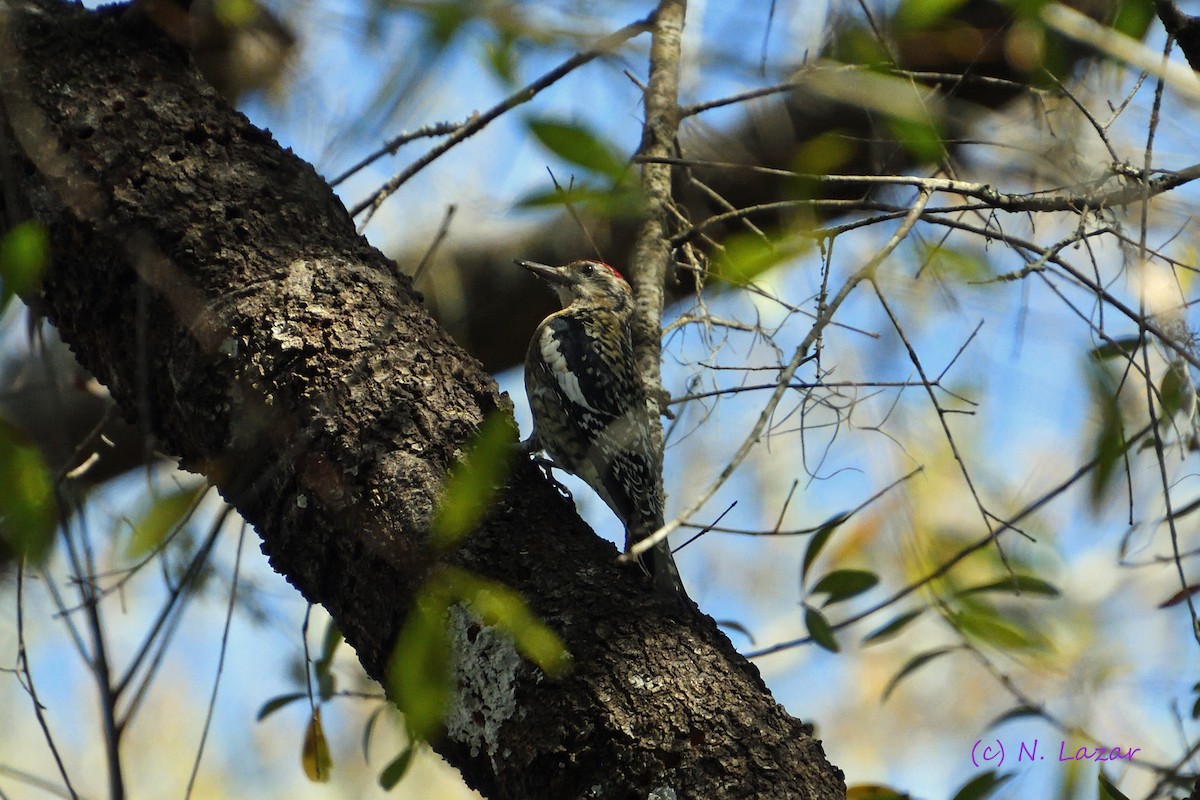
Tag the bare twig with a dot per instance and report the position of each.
(785, 377)
(479, 121)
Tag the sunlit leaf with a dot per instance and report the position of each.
(913, 664)
(24, 253)
(419, 673)
(473, 481)
(165, 513)
(419, 676)
(578, 145)
(819, 629)
(396, 768)
(315, 756)
(823, 154)
(987, 625)
(954, 262)
(819, 540)
(890, 629)
(503, 607)
(982, 786)
(1107, 791)
(920, 138)
(276, 703)
(747, 256)
(842, 584)
(1134, 17)
(235, 13)
(1016, 584)
(27, 515)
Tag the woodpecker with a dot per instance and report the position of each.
(590, 413)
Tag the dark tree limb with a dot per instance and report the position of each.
(213, 282)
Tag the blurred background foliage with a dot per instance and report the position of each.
(969, 518)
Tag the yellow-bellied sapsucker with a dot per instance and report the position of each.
(589, 406)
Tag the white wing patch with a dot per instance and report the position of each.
(567, 381)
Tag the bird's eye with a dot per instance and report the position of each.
(587, 269)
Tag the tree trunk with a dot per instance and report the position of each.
(214, 283)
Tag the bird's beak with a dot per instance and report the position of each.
(557, 276)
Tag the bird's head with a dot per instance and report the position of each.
(585, 281)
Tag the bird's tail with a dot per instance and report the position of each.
(658, 562)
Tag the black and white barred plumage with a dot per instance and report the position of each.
(589, 407)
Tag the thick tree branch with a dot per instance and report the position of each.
(212, 281)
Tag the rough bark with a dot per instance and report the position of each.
(213, 282)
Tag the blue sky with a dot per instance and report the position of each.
(1116, 662)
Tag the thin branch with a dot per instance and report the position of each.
(785, 378)
(479, 121)
(212, 699)
(27, 681)
(957, 558)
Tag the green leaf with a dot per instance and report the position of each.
(396, 769)
(842, 584)
(1107, 791)
(473, 481)
(892, 628)
(326, 685)
(315, 758)
(24, 253)
(914, 664)
(1123, 346)
(1109, 445)
(746, 256)
(444, 20)
(819, 629)
(617, 202)
(369, 729)
(577, 145)
(916, 15)
(276, 703)
(865, 791)
(419, 670)
(500, 56)
(333, 637)
(817, 543)
(987, 625)
(164, 514)
(1134, 17)
(1176, 391)
(236, 13)
(957, 263)
(921, 138)
(27, 516)
(982, 786)
(1020, 712)
(734, 625)
(1016, 584)
(504, 608)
